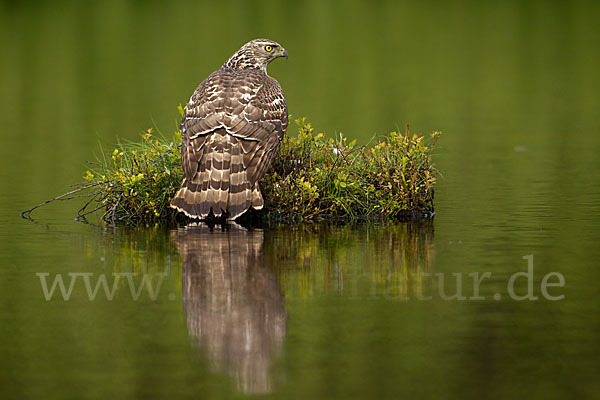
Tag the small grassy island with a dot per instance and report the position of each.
(313, 177)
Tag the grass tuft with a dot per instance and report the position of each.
(313, 177)
(318, 177)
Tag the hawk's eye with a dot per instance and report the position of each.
(269, 48)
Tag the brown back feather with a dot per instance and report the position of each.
(231, 130)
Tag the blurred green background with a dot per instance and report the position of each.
(514, 86)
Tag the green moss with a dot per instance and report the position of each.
(312, 177)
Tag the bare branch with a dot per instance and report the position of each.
(27, 213)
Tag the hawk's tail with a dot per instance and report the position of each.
(220, 185)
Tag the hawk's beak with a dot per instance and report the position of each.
(283, 53)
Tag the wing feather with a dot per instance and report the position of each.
(249, 106)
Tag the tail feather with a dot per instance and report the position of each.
(193, 194)
(224, 184)
(257, 199)
(220, 184)
(210, 192)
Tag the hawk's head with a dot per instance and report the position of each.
(256, 54)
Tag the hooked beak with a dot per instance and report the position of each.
(283, 53)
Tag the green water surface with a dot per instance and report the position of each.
(314, 311)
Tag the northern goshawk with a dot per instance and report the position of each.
(231, 130)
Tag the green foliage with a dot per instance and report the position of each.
(312, 177)
(138, 180)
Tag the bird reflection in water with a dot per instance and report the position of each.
(234, 307)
